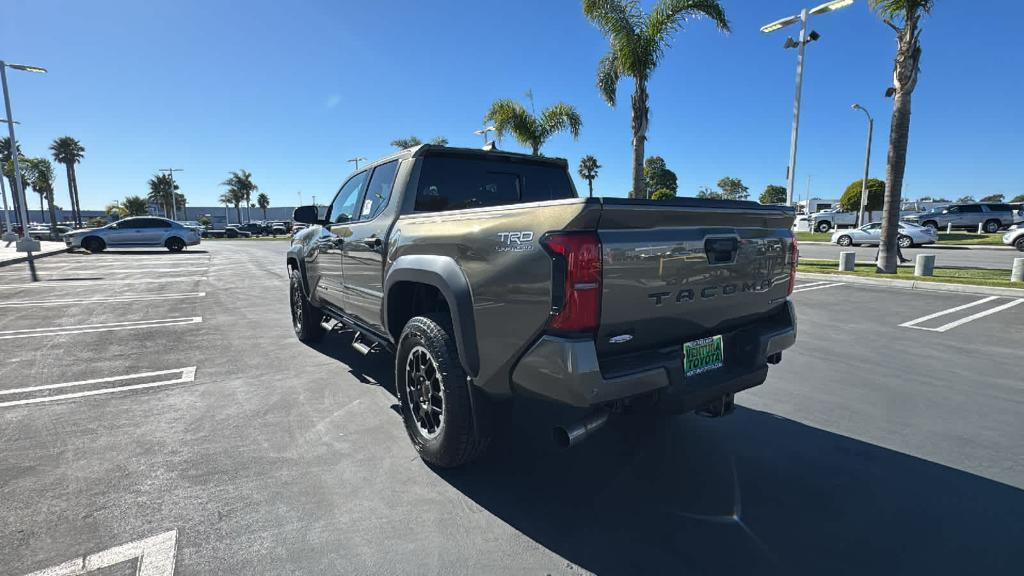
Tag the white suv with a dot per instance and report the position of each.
(140, 232)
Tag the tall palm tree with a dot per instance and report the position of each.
(161, 192)
(904, 17)
(403, 143)
(637, 43)
(234, 197)
(241, 182)
(263, 201)
(509, 116)
(40, 177)
(588, 171)
(8, 170)
(68, 151)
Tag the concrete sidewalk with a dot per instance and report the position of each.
(930, 246)
(10, 256)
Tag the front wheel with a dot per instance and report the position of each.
(1019, 244)
(992, 226)
(435, 394)
(94, 244)
(931, 224)
(306, 318)
(175, 244)
(905, 241)
(823, 227)
(844, 240)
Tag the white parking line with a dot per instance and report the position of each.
(111, 270)
(187, 375)
(156, 558)
(818, 286)
(133, 298)
(945, 327)
(60, 330)
(58, 284)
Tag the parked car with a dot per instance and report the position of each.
(253, 228)
(139, 232)
(992, 217)
(193, 225)
(871, 235)
(1015, 237)
(487, 277)
(45, 233)
(279, 227)
(832, 218)
(229, 231)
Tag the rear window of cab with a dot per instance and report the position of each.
(454, 183)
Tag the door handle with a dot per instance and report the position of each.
(373, 242)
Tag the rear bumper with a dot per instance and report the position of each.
(568, 371)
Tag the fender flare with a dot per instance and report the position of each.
(296, 253)
(443, 273)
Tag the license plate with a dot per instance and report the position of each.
(703, 355)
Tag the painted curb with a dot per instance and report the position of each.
(915, 284)
(35, 256)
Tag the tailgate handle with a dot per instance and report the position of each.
(721, 250)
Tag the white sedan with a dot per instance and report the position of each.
(871, 235)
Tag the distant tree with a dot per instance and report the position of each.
(773, 194)
(1018, 198)
(993, 198)
(68, 151)
(403, 143)
(658, 176)
(588, 171)
(263, 201)
(161, 192)
(925, 199)
(663, 194)
(509, 116)
(850, 200)
(636, 44)
(733, 189)
(96, 222)
(8, 169)
(131, 206)
(966, 200)
(707, 193)
(240, 189)
(941, 199)
(203, 219)
(40, 177)
(439, 141)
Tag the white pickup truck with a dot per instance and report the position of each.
(832, 218)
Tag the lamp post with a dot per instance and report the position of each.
(800, 44)
(867, 165)
(26, 244)
(483, 132)
(357, 160)
(174, 195)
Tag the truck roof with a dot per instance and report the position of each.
(425, 150)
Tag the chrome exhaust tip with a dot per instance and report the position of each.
(573, 435)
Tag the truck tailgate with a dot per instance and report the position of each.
(680, 270)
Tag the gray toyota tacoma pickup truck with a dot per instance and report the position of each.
(486, 277)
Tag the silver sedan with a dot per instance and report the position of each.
(871, 235)
(140, 232)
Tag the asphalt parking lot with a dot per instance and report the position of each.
(157, 414)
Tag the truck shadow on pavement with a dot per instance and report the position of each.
(752, 493)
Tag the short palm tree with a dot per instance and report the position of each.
(903, 16)
(68, 151)
(8, 172)
(234, 197)
(413, 141)
(263, 201)
(509, 116)
(131, 206)
(637, 43)
(161, 192)
(588, 171)
(40, 177)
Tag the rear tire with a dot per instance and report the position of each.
(94, 244)
(306, 317)
(844, 240)
(434, 391)
(1019, 244)
(931, 224)
(175, 244)
(823, 227)
(905, 241)
(992, 226)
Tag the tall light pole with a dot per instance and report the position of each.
(357, 160)
(26, 244)
(800, 44)
(9, 235)
(174, 195)
(483, 132)
(867, 165)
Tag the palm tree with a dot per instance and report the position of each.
(40, 177)
(8, 169)
(637, 43)
(529, 129)
(403, 143)
(161, 192)
(233, 197)
(904, 17)
(588, 171)
(68, 151)
(130, 206)
(241, 182)
(263, 201)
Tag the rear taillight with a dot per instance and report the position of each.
(576, 289)
(794, 256)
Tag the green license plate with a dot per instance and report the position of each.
(703, 355)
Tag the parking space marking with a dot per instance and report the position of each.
(155, 554)
(946, 327)
(817, 286)
(57, 283)
(112, 269)
(61, 330)
(129, 298)
(186, 375)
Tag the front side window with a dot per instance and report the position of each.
(378, 190)
(343, 209)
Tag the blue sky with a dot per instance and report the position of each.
(289, 90)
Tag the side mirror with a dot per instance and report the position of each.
(306, 215)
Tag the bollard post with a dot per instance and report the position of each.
(848, 260)
(1017, 274)
(981, 228)
(949, 227)
(925, 265)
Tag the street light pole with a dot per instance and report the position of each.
(9, 235)
(867, 165)
(357, 160)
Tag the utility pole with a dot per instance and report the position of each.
(867, 165)
(357, 160)
(174, 195)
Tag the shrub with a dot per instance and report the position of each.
(850, 200)
(663, 194)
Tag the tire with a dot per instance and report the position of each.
(442, 429)
(844, 240)
(94, 244)
(992, 226)
(823, 227)
(905, 241)
(1019, 244)
(931, 224)
(175, 244)
(306, 317)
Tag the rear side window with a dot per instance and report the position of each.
(971, 208)
(452, 183)
(379, 190)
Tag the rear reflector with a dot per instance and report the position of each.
(576, 293)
